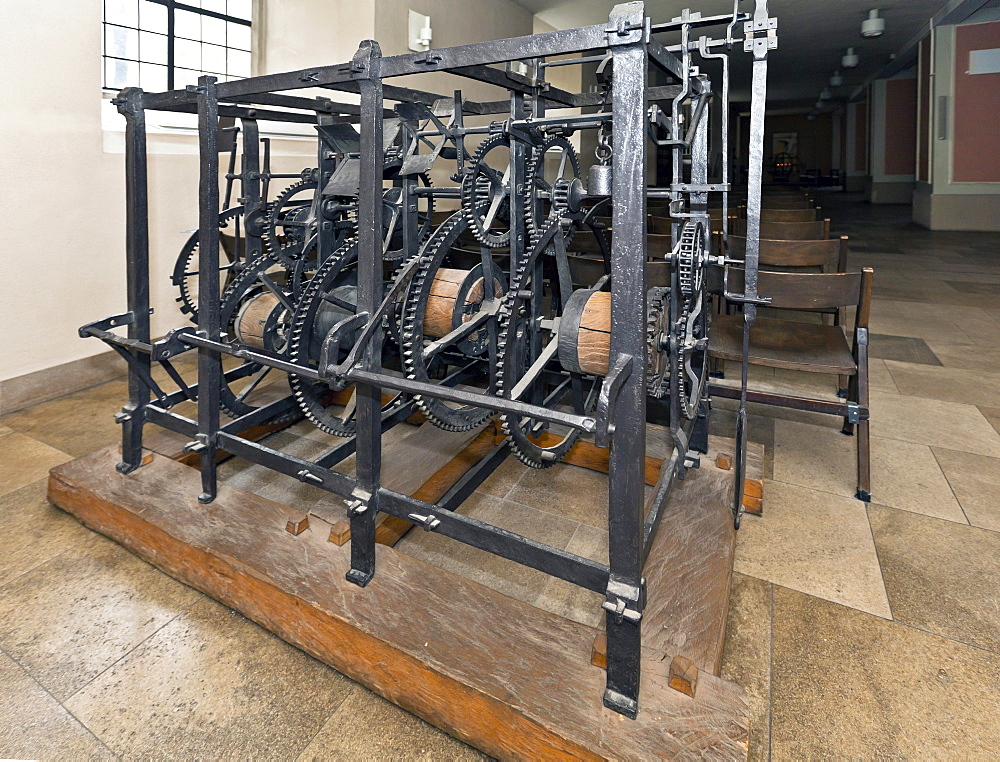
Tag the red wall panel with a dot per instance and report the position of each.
(900, 126)
(976, 157)
(861, 138)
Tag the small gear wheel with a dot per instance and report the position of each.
(291, 226)
(657, 328)
(550, 184)
(486, 193)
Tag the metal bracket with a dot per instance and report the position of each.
(853, 412)
(428, 522)
(617, 375)
(625, 601)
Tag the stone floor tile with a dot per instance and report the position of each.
(746, 657)
(504, 479)
(847, 685)
(972, 387)
(33, 725)
(952, 425)
(929, 328)
(366, 726)
(568, 491)
(33, 530)
(879, 378)
(211, 685)
(78, 423)
(902, 349)
(25, 460)
(975, 480)
(814, 542)
(69, 619)
(512, 579)
(4, 429)
(992, 414)
(980, 358)
(818, 457)
(940, 576)
(572, 601)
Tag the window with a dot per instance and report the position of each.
(167, 44)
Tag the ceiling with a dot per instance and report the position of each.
(812, 37)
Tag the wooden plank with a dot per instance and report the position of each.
(501, 675)
(424, 453)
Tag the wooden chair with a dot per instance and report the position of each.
(819, 230)
(806, 347)
(829, 256)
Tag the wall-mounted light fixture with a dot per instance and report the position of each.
(850, 59)
(873, 26)
(420, 33)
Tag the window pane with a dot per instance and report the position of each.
(152, 78)
(213, 30)
(119, 74)
(219, 6)
(153, 17)
(121, 42)
(187, 24)
(237, 36)
(152, 48)
(239, 63)
(185, 77)
(124, 12)
(187, 54)
(213, 58)
(241, 9)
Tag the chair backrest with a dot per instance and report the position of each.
(767, 214)
(818, 230)
(815, 292)
(831, 255)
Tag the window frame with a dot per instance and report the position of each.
(171, 7)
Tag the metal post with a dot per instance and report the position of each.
(209, 360)
(626, 588)
(366, 67)
(133, 414)
(250, 190)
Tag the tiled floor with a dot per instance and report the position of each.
(859, 630)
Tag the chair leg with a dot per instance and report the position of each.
(864, 492)
(852, 393)
(842, 384)
(718, 368)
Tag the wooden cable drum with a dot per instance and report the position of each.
(455, 297)
(257, 319)
(585, 332)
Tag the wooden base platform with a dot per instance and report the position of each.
(508, 678)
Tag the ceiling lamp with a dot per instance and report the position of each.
(872, 26)
(836, 80)
(826, 94)
(819, 105)
(850, 59)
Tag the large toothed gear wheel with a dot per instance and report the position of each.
(534, 443)
(550, 183)
(187, 267)
(438, 300)
(291, 224)
(486, 192)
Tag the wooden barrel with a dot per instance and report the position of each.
(454, 298)
(585, 332)
(255, 318)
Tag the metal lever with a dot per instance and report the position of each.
(609, 398)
